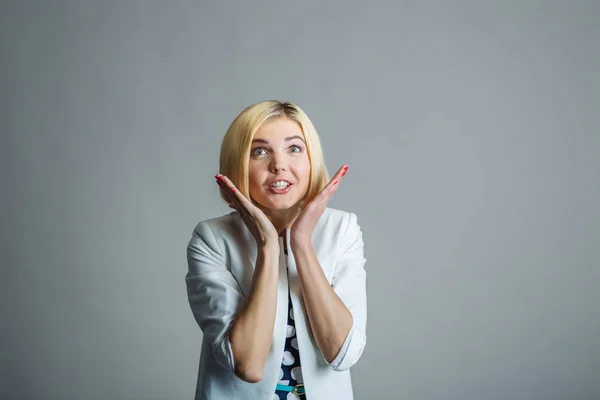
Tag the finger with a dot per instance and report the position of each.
(236, 197)
(223, 182)
(327, 192)
(231, 198)
(339, 175)
(232, 191)
(242, 200)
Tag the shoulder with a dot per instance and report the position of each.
(339, 219)
(336, 228)
(207, 231)
(216, 224)
(348, 242)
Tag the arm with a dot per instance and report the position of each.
(337, 313)
(330, 319)
(252, 331)
(238, 329)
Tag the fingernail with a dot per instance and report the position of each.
(232, 189)
(335, 182)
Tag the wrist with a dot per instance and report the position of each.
(301, 243)
(269, 248)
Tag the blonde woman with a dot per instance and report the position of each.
(278, 286)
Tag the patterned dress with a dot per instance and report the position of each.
(290, 373)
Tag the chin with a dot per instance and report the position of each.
(281, 207)
(275, 204)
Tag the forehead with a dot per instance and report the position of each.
(278, 129)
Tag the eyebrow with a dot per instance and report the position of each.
(287, 139)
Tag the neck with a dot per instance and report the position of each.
(282, 219)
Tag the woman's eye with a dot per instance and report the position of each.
(257, 151)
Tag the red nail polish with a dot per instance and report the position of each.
(335, 182)
(232, 189)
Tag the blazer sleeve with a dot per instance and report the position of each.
(213, 293)
(349, 283)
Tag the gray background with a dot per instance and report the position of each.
(472, 134)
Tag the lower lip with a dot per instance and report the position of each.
(280, 191)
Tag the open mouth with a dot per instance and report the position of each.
(280, 189)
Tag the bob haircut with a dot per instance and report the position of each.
(235, 149)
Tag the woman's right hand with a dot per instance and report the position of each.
(257, 222)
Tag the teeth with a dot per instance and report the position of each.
(280, 185)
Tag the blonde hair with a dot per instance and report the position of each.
(235, 148)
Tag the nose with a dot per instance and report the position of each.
(278, 163)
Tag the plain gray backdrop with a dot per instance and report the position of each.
(471, 129)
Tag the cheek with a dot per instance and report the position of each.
(304, 175)
(254, 185)
(302, 164)
(253, 180)
(306, 168)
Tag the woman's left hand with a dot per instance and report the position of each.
(304, 224)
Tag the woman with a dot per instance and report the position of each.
(278, 285)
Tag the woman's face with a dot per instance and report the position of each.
(278, 153)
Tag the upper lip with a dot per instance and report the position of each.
(279, 180)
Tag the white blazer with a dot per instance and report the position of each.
(221, 259)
